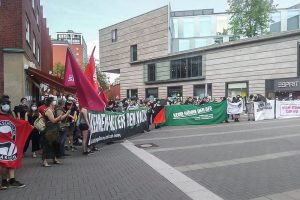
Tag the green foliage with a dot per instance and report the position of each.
(102, 79)
(59, 70)
(250, 17)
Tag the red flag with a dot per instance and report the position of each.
(13, 136)
(87, 96)
(91, 73)
(103, 96)
(68, 76)
(160, 117)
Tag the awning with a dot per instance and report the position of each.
(52, 81)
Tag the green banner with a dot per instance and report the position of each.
(209, 113)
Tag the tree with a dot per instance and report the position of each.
(102, 79)
(59, 70)
(250, 17)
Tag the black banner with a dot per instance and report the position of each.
(112, 126)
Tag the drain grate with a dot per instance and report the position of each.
(146, 145)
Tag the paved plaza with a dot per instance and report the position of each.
(235, 161)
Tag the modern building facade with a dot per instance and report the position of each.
(140, 50)
(24, 43)
(72, 40)
(199, 28)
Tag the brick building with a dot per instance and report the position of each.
(72, 40)
(24, 44)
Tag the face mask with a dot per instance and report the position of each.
(54, 103)
(33, 108)
(5, 108)
(77, 105)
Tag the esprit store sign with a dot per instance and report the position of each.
(287, 85)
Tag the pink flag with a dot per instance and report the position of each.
(68, 76)
(87, 96)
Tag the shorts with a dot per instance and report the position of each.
(83, 127)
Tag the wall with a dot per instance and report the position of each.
(14, 75)
(149, 31)
(253, 63)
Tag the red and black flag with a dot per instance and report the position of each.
(159, 115)
(13, 135)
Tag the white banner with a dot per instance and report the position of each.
(287, 109)
(234, 108)
(264, 110)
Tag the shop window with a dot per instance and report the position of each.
(133, 53)
(132, 93)
(151, 72)
(175, 91)
(151, 93)
(235, 89)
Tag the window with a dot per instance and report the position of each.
(37, 17)
(298, 60)
(275, 25)
(133, 53)
(33, 44)
(32, 3)
(175, 23)
(200, 42)
(184, 44)
(132, 93)
(151, 93)
(27, 31)
(237, 88)
(114, 35)
(209, 89)
(187, 67)
(205, 26)
(292, 20)
(199, 91)
(175, 91)
(38, 54)
(151, 72)
(188, 27)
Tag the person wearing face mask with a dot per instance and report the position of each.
(51, 134)
(8, 174)
(70, 105)
(21, 109)
(31, 115)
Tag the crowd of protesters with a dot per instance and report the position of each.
(67, 124)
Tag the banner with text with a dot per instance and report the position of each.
(210, 113)
(112, 126)
(235, 108)
(287, 109)
(264, 110)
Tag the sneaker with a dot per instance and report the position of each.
(4, 185)
(34, 155)
(16, 184)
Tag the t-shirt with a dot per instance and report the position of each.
(42, 109)
(21, 109)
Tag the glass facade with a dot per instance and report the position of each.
(193, 29)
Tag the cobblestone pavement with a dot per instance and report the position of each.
(235, 161)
